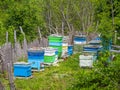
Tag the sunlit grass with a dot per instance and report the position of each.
(59, 77)
(52, 78)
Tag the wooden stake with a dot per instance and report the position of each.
(40, 35)
(15, 38)
(25, 41)
(1, 86)
(6, 37)
(10, 76)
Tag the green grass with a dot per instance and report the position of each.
(69, 76)
(53, 78)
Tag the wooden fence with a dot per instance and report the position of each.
(11, 53)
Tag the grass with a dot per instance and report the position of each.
(54, 77)
(69, 76)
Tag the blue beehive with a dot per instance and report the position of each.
(70, 50)
(35, 58)
(36, 55)
(95, 42)
(79, 39)
(91, 48)
(98, 38)
(22, 69)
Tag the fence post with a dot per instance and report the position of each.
(10, 76)
(40, 36)
(6, 37)
(15, 49)
(1, 86)
(1, 63)
(24, 42)
(115, 37)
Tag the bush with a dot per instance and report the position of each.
(101, 76)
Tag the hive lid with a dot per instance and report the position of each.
(70, 45)
(21, 63)
(80, 35)
(56, 35)
(93, 46)
(50, 49)
(36, 49)
(95, 41)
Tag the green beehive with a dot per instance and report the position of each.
(55, 38)
(49, 59)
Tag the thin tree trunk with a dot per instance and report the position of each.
(112, 12)
(40, 36)
(65, 20)
(62, 28)
(112, 9)
(56, 29)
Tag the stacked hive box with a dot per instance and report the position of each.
(92, 49)
(22, 69)
(64, 49)
(96, 41)
(90, 53)
(86, 60)
(70, 50)
(65, 46)
(50, 55)
(79, 41)
(56, 41)
(36, 57)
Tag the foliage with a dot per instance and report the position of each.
(49, 15)
(2, 33)
(26, 15)
(103, 76)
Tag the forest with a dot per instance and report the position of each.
(59, 16)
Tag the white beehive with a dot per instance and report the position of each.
(86, 60)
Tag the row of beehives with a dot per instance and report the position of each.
(58, 47)
(38, 57)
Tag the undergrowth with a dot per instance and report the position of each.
(69, 76)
